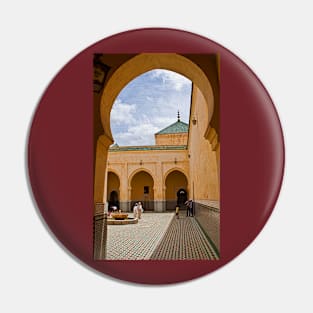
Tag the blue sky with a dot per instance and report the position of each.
(148, 104)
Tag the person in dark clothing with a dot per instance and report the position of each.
(191, 208)
(188, 208)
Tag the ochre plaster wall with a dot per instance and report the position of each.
(179, 139)
(203, 162)
(158, 163)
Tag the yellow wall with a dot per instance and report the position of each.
(179, 139)
(157, 162)
(204, 183)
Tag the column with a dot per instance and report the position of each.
(124, 199)
(100, 187)
(159, 199)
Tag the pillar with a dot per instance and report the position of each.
(124, 198)
(100, 187)
(159, 198)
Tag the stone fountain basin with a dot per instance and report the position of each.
(121, 221)
(119, 216)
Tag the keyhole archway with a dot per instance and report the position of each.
(143, 63)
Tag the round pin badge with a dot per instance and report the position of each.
(156, 156)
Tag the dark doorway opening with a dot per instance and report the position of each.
(181, 197)
(113, 201)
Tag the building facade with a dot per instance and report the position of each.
(156, 175)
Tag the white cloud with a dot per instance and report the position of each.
(167, 106)
(123, 113)
(162, 121)
(173, 79)
(147, 105)
(140, 134)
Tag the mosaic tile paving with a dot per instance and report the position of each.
(137, 241)
(159, 236)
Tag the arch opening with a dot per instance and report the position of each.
(142, 189)
(176, 185)
(148, 104)
(113, 190)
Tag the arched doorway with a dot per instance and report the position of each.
(176, 189)
(142, 190)
(113, 190)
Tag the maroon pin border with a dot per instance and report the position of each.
(60, 155)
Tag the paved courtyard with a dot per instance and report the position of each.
(159, 236)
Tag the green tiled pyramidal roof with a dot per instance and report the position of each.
(177, 127)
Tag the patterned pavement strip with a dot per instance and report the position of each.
(159, 236)
(184, 240)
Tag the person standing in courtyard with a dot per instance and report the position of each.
(191, 208)
(135, 210)
(188, 208)
(139, 209)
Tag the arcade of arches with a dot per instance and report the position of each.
(184, 162)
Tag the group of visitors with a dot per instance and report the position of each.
(138, 210)
(190, 208)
